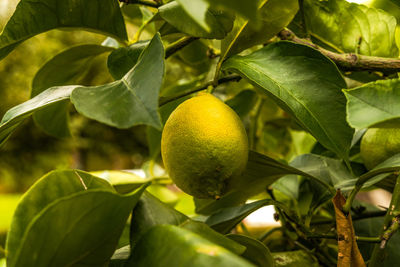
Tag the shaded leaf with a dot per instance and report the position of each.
(304, 83)
(350, 27)
(256, 251)
(52, 14)
(220, 23)
(226, 219)
(168, 245)
(122, 60)
(373, 103)
(133, 99)
(67, 68)
(42, 235)
(243, 102)
(197, 10)
(17, 114)
(294, 259)
(274, 16)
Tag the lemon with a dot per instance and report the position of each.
(204, 146)
(379, 144)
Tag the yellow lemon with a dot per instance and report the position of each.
(379, 144)
(204, 146)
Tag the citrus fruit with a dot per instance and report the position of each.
(204, 146)
(379, 144)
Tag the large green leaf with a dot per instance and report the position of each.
(69, 67)
(150, 212)
(102, 16)
(197, 9)
(13, 118)
(261, 171)
(256, 251)
(68, 217)
(350, 27)
(373, 103)
(274, 16)
(169, 245)
(304, 83)
(123, 59)
(131, 100)
(220, 23)
(226, 219)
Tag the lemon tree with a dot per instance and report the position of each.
(182, 120)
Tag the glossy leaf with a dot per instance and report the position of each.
(102, 16)
(304, 83)
(67, 68)
(197, 10)
(133, 99)
(294, 259)
(373, 103)
(150, 212)
(42, 235)
(123, 59)
(220, 23)
(350, 27)
(274, 16)
(168, 245)
(18, 114)
(226, 219)
(256, 252)
(261, 171)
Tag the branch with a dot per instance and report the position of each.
(348, 61)
(356, 217)
(230, 78)
(394, 226)
(149, 3)
(366, 239)
(178, 45)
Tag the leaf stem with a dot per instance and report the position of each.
(178, 45)
(230, 78)
(149, 3)
(348, 61)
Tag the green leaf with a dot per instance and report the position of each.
(197, 10)
(304, 83)
(133, 99)
(120, 257)
(220, 23)
(226, 219)
(373, 103)
(123, 59)
(274, 14)
(294, 259)
(42, 235)
(67, 68)
(102, 16)
(150, 212)
(168, 245)
(349, 27)
(17, 114)
(243, 102)
(261, 171)
(256, 251)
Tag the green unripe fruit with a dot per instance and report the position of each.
(379, 144)
(204, 146)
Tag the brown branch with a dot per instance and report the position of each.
(348, 61)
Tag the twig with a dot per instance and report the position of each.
(361, 216)
(394, 226)
(358, 238)
(201, 87)
(149, 3)
(348, 61)
(178, 45)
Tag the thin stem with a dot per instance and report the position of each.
(348, 61)
(202, 87)
(366, 239)
(178, 45)
(269, 233)
(136, 37)
(355, 218)
(149, 3)
(361, 181)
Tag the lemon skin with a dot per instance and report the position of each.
(204, 146)
(379, 144)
